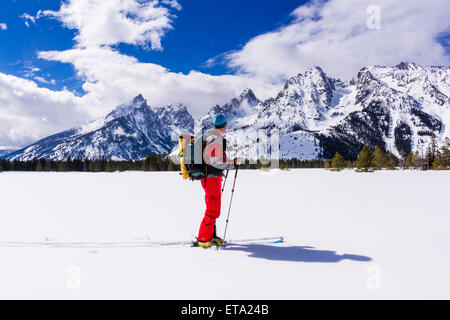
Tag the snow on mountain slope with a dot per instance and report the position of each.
(176, 117)
(308, 102)
(425, 84)
(131, 131)
(241, 112)
(301, 145)
(430, 86)
(390, 117)
(304, 102)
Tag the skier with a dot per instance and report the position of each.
(216, 162)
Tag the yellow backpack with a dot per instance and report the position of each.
(182, 145)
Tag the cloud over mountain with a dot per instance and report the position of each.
(338, 35)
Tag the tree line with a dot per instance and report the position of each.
(153, 162)
(436, 158)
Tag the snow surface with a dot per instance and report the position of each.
(348, 235)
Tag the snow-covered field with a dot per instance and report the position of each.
(348, 235)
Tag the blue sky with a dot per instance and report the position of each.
(205, 29)
(201, 30)
(20, 43)
(66, 63)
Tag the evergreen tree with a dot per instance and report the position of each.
(445, 154)
(39, 166)
(171, 166)
(110, 166)
(92, 166)
(419, 160)
(409, 161)
(62, 166)
(69, 164)
(380, 159)
(98, 165)
(442, 160)
(392, 161)
(338, 162)
(145, 164)
(45, 164)
(432, 152)
(438, 164)
(364, 162)
(85, 165)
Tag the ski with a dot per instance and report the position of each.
(127, 244)
(267, 240)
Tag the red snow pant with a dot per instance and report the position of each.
(213, 192)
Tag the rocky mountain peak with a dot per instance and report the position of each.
(249, 96)
(129, 107)
(176, 116)
(407, 66)
(139, 99)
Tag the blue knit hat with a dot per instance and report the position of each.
(220, 121)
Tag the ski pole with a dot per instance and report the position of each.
(225, 181)
(229, 207)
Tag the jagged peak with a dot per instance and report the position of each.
(311, 73)
(126, 108)
(248, 95)
(314, 70)
(365, 76)
(138, 98)
(247, 92)
(407, 66)
(293, 80)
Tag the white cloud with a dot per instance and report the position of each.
(28, 113)
(334, 35)
(173, 3)
(3, 26)
(29, 70)
(43, 80)
(29, 18)
(112, 78)
(111, 22)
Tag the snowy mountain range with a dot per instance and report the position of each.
(398, 108)
(131, 131)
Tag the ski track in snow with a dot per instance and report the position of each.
(130, 244)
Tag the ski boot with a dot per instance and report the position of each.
(202, 244)
(217, 241)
